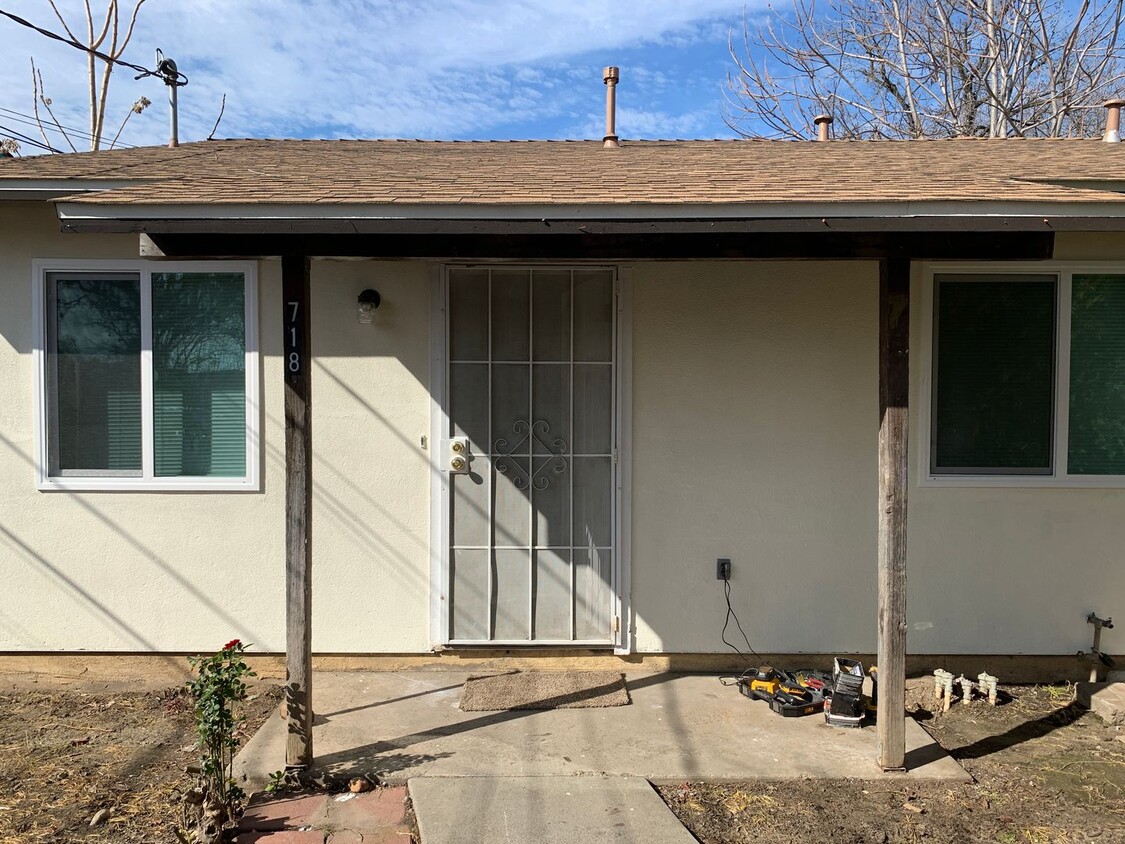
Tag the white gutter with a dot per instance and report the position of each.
(83, 211)
(48, 189)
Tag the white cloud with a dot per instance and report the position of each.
(348, 68)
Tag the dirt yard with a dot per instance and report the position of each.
(66, 754)
(1046, 771)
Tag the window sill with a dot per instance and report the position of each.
(148, 485)
(1022, 482)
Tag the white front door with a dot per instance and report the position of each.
(529, 518)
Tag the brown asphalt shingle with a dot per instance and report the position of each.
(290, 172)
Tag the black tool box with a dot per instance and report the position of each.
(847, 704)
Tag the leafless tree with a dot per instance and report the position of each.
(927, 68)
(110, 37)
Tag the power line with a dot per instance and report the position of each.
(25, 139)
(29, 120)
(169, 75)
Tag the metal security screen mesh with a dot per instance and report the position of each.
(1096, 442)
(994, 373)
(531, 385)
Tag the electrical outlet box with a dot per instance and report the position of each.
(722, 569)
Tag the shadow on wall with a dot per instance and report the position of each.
(140, 551)
(706, 471)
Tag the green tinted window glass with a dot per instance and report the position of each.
(994, 366)
(199, 374)
(94, 374)
(1097, 376)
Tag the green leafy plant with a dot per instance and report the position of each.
(282, 781)
(219, 684)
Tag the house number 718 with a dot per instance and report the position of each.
(294, 356)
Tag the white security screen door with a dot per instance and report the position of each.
(529, 456)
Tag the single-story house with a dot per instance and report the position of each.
(518, 395)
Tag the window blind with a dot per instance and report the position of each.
(198, 367)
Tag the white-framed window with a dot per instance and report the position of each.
(1023, 374)
(146, 375)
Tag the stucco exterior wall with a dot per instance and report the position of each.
(125, 571)
(371, 476)
(1002, 570)
(754, 407)
(754, 424)
(187, 571)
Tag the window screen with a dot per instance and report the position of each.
(199, 374)
(994, 367)
(94, 373)
(1097, 376)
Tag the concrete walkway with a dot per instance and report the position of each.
(678, 727)
(555, 776)
(542, 810)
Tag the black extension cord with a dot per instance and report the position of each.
(730, 680)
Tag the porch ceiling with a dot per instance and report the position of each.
(608, 246)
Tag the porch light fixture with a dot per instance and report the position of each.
(368, 301)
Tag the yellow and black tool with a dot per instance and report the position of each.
(782, 691)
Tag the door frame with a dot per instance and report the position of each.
(622, 637)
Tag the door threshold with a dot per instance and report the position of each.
(522, 644)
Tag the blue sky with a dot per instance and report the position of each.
(448, 69)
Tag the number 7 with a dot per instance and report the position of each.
(294, 306)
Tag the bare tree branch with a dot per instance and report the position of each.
(138, 107)
(40, 96)
(218, 120)
(927, 68)
(62, 20)
(98, 82)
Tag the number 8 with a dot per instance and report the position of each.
(294, 362)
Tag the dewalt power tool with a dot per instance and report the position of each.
(783, 691)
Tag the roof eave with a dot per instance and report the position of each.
(940, 215)
(47, 190)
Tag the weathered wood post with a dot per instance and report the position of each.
(894, 392)
(298, 510)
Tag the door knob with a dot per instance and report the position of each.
(459, 457)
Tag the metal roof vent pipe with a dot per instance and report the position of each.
(822, 121)
(610, 75)
(1113, 121)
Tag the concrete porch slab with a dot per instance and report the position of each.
(544, 810)
(1106, 699)
(679, 727)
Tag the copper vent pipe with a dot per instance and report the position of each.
(822, 121)
(1113, 121)
(610, 75)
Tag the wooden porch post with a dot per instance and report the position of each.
(298, 511)
(894, 391)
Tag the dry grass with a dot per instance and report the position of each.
(1046, 773)
(64, 755)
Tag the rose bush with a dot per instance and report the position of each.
(220, 683)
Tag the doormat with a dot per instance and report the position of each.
(544, 690)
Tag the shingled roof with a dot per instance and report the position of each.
(499, 173)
